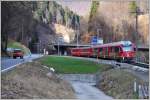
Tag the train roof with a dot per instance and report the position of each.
(81, 48)
(124, 43)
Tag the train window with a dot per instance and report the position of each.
(84, 50)
(116, 49)
(127, 48)
(100, 49)
(106, 49)
(95, 50)
(134, 49)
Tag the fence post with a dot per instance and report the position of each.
(140, 92)
(135, 86)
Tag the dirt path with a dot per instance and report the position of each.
(88, 91)
(84, 86)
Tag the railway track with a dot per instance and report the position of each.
(133, 63)
(126, 65)
(143, 65)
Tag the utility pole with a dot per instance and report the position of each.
(58, 44)
(77, 36)
(137, 12)
(40, 47)
(136, 27)
(22, 30)
(97, 33)
(77, 30)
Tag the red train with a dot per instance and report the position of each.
(120, 51)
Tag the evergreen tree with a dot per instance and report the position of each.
(66, 16)
(94, 7)
(59, 16)
(133, 7)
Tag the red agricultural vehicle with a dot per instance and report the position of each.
(18, 53)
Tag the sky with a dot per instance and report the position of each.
(80, 7)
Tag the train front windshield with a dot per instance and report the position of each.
(127, 48)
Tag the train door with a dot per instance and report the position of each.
(100, 53)
(106, 52)
(95, 52)
(116, 49)
(103, 52)
(111, 52)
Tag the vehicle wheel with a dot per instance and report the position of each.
(119, 60)
(21, 57)
(14, 57)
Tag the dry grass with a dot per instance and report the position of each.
(30, 81)
(118, 83)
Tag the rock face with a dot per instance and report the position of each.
(68, 34)
(46, 36)
(31, 81)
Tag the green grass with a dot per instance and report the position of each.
(17, 45)
(135, 95)
(71, 65)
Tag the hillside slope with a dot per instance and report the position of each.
(32, 23)
(114, 22)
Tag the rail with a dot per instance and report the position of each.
(140, 64)
(142, 89)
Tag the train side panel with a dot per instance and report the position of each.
(114, 51)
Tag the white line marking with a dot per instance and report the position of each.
(11, 67)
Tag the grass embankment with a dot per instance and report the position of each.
(119, 84)
(17, 45)
(72, 65)
(33, 81)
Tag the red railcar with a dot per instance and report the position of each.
(82, 51)
(123, 50)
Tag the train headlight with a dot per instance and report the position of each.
(127, 54)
